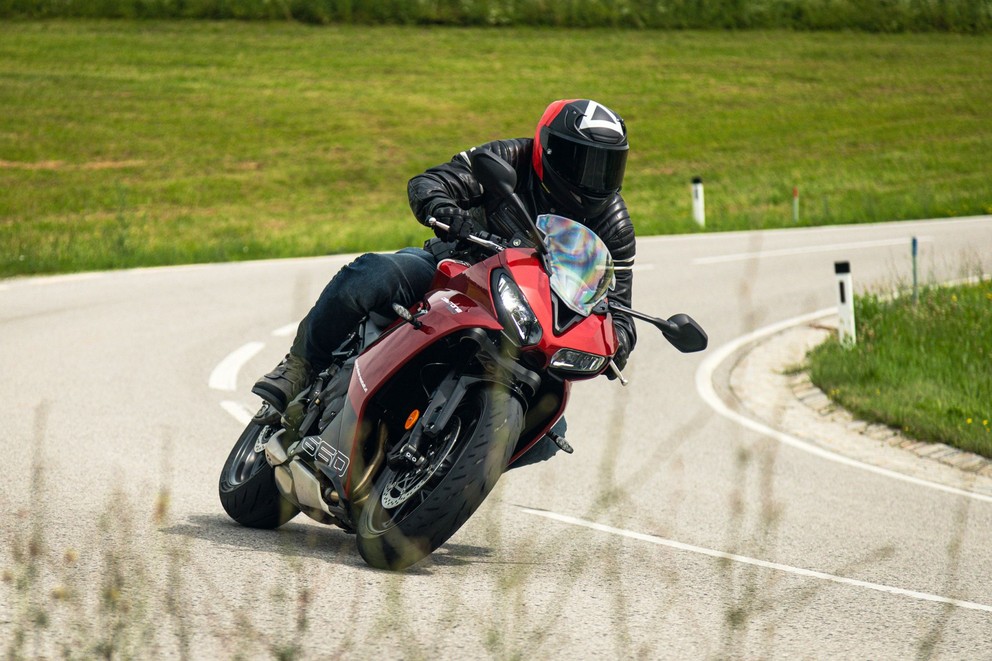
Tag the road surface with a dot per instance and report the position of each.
(672, 532)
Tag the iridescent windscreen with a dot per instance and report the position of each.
(581, 264)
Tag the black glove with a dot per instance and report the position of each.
(459, 224)
(623, 352)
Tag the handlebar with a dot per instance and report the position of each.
(434, 223)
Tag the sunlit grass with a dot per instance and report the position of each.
(139, 143)
(921, 367)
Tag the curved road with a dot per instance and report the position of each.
(672, 532)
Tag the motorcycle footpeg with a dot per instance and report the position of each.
(267, 415)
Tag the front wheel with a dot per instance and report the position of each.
(247, 486)
(411, 512)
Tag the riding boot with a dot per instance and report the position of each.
(289, 378)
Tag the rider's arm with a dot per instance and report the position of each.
(617, 231)
(453, 184)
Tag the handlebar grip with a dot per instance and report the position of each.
(433, 222)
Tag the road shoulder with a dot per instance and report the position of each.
(767, 384)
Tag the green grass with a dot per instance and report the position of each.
(142, 143)
(969, 16)
(923, 368)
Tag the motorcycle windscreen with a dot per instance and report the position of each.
(581, 264)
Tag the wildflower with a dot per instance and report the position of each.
(969, 421)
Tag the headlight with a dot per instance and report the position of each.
(519, 321)
(577, 361)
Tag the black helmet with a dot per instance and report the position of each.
(580, 152)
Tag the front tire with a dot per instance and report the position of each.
(410, 513)
(247, 486)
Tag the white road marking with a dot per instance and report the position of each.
(238, 411)
(786, 252)
(798, 571)
(704, 384)
(286, 331)
(225, 375)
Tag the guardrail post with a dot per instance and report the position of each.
(698, 204)
(845, 305)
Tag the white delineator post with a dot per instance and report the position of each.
(698, 204)
(845, 305)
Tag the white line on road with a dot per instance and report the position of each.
(238, 411)
(225, 375)
(286, 331)
(704, 385)
(798, 571)
(785, 252)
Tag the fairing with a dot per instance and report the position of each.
(461, 301)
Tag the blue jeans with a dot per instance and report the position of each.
(371, 283)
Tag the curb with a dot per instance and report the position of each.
(806, 392)
(768, 380)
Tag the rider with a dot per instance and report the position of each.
(573, 167)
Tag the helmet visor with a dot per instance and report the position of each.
(595, 169)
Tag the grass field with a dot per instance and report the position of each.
(141, 143)
(923, 368)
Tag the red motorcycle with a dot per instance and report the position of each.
(407, 432)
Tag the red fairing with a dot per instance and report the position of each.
(594, 334)
(450, 308)
(462, 299)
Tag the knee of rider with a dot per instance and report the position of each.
(355, 278)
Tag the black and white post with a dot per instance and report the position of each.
(698, 204)
(845, 305)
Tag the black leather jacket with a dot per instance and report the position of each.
(453, 184)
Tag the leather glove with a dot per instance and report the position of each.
(623, 352)
(459, 223)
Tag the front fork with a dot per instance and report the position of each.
(409, 454)
(498, 368)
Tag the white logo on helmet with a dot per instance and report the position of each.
(600, 117)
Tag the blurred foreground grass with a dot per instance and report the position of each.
(142, 143)
(922, 367)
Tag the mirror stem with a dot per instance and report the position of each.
(665, 326)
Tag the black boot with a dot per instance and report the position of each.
(281, 386)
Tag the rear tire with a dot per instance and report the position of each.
(248, 488)
(410, 513)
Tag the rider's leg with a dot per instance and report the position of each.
(371, 283)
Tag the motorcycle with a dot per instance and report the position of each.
(401, 439)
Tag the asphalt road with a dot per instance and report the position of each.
(672, 532)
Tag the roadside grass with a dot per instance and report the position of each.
(923, 368)
(969, 16)
(147, 143)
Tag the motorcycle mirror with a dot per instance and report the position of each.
(688, 337)
(495, 174)
(498, 177)
(681, 330)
